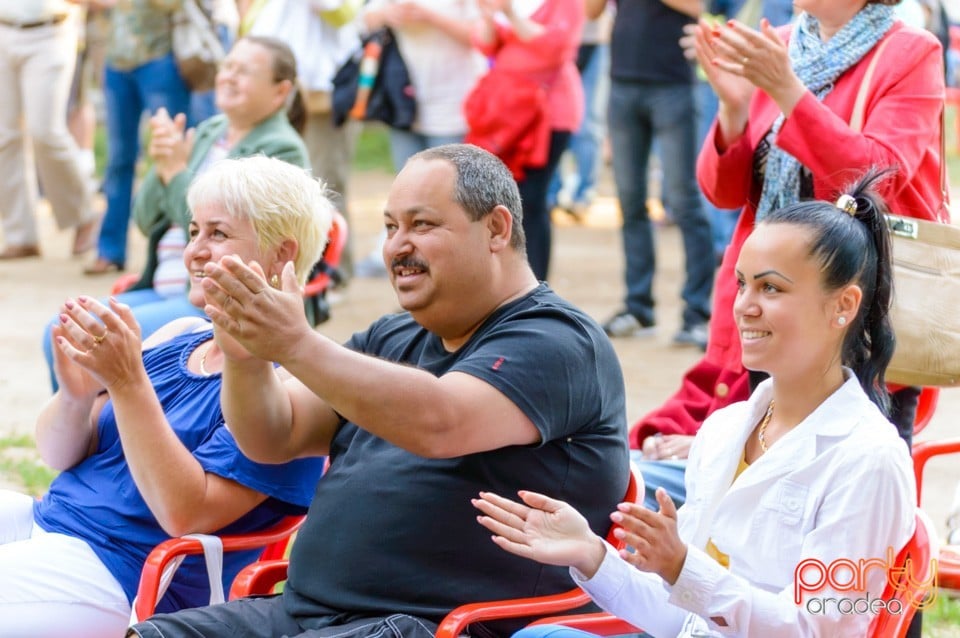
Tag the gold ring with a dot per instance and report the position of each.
(98, 340)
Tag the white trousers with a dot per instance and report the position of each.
(36, 68)
(53, 584)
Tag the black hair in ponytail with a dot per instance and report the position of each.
(853, 246)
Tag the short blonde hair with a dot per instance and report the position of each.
(282, 201)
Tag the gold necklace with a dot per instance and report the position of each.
(760, 432)
(203, 359)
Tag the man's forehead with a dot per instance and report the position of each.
(421, 188)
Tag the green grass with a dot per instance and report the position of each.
(373, 149)
(943, 619)
(20, 464)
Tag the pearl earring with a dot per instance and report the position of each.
(275, 282)
(842, 321)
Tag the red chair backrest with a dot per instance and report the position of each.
(909, 584)
(926, 406)
(457, 620)
(273, 541)
(332, 254)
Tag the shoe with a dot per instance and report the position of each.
(85, 236)
(102, 266)
(624, 324)
(20, 252)
(692, 335)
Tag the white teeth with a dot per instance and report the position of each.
(753, 334)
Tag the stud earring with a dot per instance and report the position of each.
(842, 321)
(275, 282)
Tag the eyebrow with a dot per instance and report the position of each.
(771, 272)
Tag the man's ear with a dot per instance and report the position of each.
(500, 226)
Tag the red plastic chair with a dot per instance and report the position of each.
(926, 406)
(326, 272)
(274, 542)
(948, 569)
(260, 578)
(124, 282)
(886, 624)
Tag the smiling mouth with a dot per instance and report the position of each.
(748, 335)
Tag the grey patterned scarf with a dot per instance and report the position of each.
(818, 64)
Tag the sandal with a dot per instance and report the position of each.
(102, 266)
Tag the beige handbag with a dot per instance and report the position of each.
(926, 274)
(196, 47)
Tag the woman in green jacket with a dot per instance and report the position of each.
(260, 107)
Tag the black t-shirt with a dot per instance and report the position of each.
(389, 531)
(645, 44)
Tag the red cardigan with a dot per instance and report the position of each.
(550, 55)
(901, 127)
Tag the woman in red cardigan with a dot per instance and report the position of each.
(782, 133)
(533, 46)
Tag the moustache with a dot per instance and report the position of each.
(407, 262)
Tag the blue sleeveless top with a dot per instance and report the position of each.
(97, 500)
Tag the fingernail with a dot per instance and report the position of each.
(619, 532)
(68, 304)
(63, 318)
(83, 299)
(616, 517)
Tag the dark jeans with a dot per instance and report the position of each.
(127, 93)
(638, 113)
(266, 617)
(536, 217)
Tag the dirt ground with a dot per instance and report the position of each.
(586, 268)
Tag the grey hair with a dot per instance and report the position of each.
(282, 201)
(483, 183)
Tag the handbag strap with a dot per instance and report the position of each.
(859, 106)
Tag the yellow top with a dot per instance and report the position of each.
(711, 549)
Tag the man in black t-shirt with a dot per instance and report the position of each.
(489, 381)
(652, 98)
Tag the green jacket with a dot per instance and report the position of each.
(158, 206)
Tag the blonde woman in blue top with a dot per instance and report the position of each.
(138, 433)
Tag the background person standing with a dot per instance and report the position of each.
(38, 48)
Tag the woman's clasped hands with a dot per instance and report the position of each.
(738, 59)
(96, 347)
(553, 532)
(251, 313)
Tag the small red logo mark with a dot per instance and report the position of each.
(496, 364)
